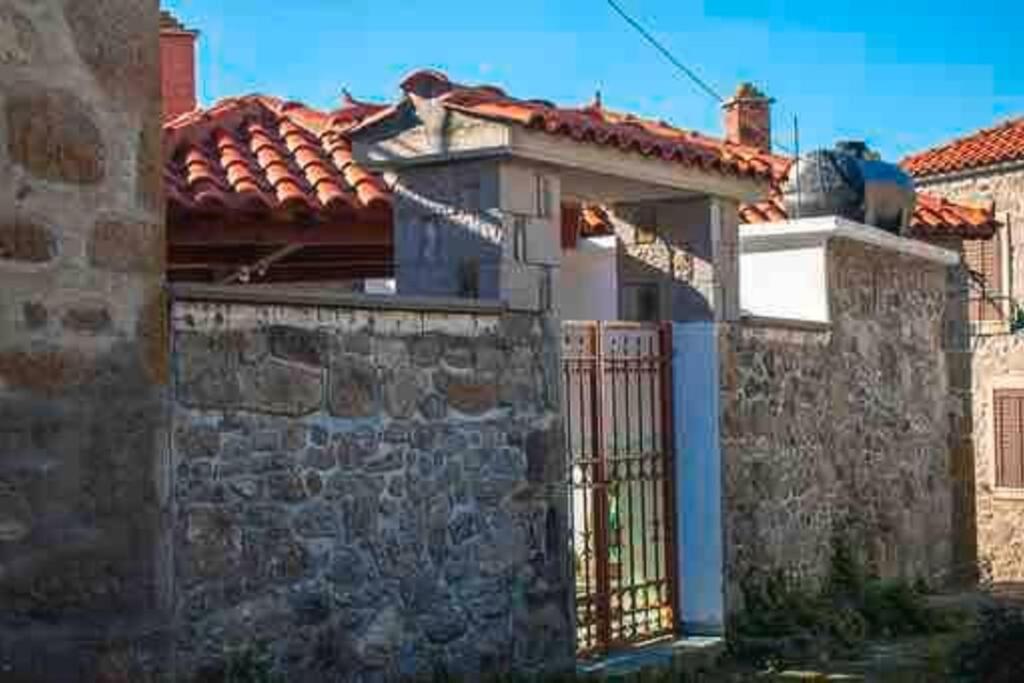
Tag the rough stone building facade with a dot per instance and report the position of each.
(836, 432)
(84, 572)
(986, 167)
(369, 492)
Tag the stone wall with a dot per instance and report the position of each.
(997, 363)
(83, 582)
(370, 492)
(840, 429)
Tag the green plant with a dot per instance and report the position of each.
(895, 608)
(250, 664)
(994, 652)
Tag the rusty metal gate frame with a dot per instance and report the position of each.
(598, 366)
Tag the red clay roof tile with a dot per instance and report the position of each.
(260, 153)
(933, 217)
(592, 124)
(998, 144)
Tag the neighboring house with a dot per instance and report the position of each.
(987, 168)
(263, 190)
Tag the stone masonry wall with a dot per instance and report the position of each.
(997, 363)
(83, 581)
(371, 493)
(840, 429)
(996, 531)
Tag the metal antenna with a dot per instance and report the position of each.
(796, 153)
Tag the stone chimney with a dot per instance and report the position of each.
(177, 65)
(748, 118)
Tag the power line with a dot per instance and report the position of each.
(664, 51)
(676, 63)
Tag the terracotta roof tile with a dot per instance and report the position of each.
(593, 124)
(995, 145)
(933, 217)
(260, 153)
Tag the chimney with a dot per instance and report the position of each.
(177, 65)
(748, 118)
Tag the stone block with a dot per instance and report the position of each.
(403, 391)
(208, 369)
(46, 370)
(53, 135)
(282, 388)
(109, 38)
(471, 395)
(298, 344)
(197, 441)
(19, 41)
(126, 246)
(87, 318)
(25, 241)
(354, 387)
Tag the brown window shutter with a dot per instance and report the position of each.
(1009, 438)
(982, 257)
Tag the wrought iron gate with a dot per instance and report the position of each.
(618, 425)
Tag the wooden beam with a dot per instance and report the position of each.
(199, 231)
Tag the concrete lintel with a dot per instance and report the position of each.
(563, 152)
(811, 232)
(278, 294)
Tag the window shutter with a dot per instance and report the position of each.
(982, 257)
(1009, 439)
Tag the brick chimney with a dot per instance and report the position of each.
(177, 65)
(748, 118)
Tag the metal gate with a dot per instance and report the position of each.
(618, 425)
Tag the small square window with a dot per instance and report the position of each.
(519, 239)
(641, 302)
(543, 195)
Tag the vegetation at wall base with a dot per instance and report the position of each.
(995, 651)
(784, 620)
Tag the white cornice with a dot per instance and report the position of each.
(813, 232)
(608, 160)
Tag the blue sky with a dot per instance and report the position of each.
(903, 75)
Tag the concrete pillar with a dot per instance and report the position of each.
(84, 565)
(724, 221)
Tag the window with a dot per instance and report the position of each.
(543, 195)
(1009, 438)
(645, 222)
(519, 238)
(982, 258)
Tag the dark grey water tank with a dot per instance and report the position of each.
(849, 182)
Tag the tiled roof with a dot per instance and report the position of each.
(933, 217)
(995, 145)
(259, 154)
(594, 124)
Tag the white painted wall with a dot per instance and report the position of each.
(789, 283)
(588, 287)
